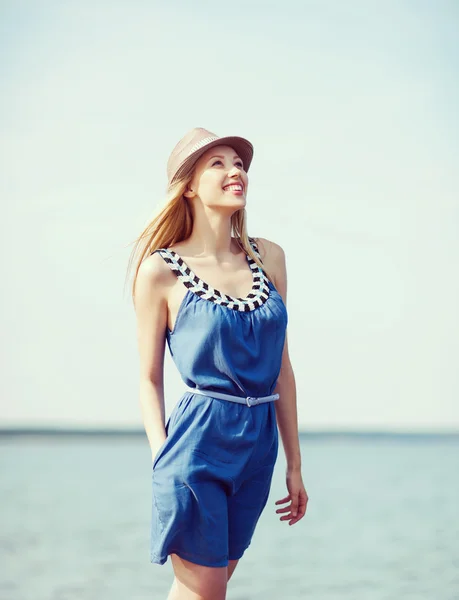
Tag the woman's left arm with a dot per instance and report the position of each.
(286, 406)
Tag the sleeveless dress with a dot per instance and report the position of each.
(212, 475)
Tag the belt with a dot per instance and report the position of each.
(249, 400)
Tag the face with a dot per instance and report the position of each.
(219, 179)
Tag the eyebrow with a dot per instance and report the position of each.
(220, 156)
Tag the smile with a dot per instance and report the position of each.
(236, 187)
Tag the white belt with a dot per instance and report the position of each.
(249, 400)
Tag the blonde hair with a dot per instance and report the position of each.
(173, 223)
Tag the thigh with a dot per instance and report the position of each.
(197, 582)
(232, 564)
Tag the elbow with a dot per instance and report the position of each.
(150, 385)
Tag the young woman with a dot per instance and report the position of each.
(218, 298)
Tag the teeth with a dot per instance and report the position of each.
(233, 187)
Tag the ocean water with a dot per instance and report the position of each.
(382, 522)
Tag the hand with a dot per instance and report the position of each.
(297, 497)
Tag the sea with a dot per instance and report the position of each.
(382, 521)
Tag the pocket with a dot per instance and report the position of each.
(174, 425)
(159, 453)
(170, 424)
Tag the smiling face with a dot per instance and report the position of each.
(219, 179)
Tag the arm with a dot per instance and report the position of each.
(286, 406)
(150, 303)
(286, 411)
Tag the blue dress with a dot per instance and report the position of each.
(212, 475)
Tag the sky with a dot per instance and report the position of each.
(352, 110)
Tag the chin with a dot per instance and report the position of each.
(232, 203)
(234, 199)
(240, 203)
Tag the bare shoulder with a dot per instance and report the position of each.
(273, 256)
(154, 278)
(153, 269)
(270, 251)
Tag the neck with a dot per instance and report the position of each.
(211, 235)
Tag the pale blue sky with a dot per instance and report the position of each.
(352, 109)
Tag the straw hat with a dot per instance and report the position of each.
(193, 145)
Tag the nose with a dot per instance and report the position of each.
(235, 170)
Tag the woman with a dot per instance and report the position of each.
(219, 300)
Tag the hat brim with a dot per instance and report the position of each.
(242, 146)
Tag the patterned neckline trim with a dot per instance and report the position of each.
(257, 296)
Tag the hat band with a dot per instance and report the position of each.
(202, 143)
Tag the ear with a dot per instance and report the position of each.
(189, 193)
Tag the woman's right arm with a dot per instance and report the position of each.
(150, 301)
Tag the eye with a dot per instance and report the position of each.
(239, 163)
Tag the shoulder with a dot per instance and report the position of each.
(154, 277)
(153, 269)
(270, 251)
(273, 257)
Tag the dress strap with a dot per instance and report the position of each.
(179, 268)
(255, 248)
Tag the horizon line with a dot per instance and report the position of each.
(303, 432)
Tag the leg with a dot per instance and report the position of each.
(196, 582)
(231, 566)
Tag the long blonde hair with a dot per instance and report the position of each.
(173, 223)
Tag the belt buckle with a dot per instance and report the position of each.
(251, 400)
